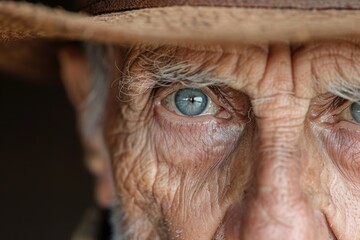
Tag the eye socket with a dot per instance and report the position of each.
(190, 102)
(355, 111)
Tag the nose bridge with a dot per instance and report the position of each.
(277, 207)
(280, 123)
(280, 117)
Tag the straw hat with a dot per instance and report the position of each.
(30, 34)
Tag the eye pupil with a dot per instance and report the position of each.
(355, 111)
(191, 101)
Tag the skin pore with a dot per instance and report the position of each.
(276, 157)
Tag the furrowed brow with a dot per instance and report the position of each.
(151, 68)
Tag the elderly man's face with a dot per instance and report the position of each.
(253, 142)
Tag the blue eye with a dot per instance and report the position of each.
(355, 111)
(191, 101)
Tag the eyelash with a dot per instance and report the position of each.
(338, 111)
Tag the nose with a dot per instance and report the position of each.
(276, 206)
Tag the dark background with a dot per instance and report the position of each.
(44, 186)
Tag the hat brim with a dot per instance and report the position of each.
(181, 25)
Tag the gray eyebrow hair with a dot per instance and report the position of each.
(348, 89)
(345, 89)
(161, 69)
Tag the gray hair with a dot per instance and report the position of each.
(98, 56)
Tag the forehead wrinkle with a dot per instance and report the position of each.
(341, 85)
(339, 74)
(170, 65)
(202, 66)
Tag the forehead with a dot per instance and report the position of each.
(211, 49)
(317, 66)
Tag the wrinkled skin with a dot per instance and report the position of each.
(279, 160)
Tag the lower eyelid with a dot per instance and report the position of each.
(353, 128)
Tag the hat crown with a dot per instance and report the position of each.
(96, 7)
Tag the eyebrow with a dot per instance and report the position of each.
(342, 82)
(345, 89)
(160, 68)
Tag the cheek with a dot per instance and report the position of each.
(343, 147)
(133, 167)
(195, 162)
(189, 157)
(197, 171)
(193, 147)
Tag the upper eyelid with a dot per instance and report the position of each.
(341, 109)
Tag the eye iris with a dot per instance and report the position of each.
(190, 101)
(355, 111)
